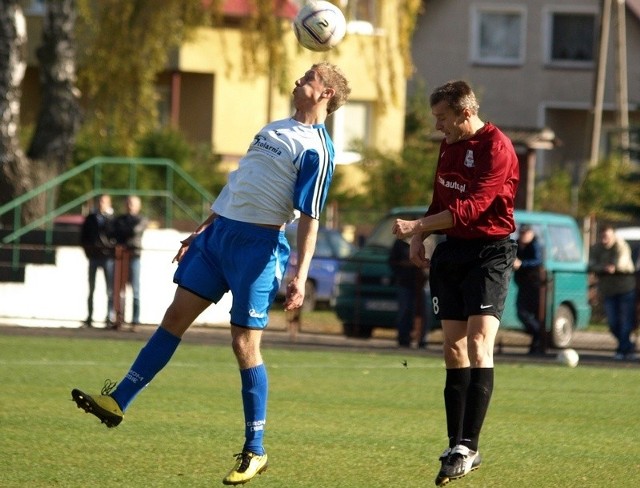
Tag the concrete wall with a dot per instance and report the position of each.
(56, 295)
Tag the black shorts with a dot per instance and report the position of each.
(471, 277)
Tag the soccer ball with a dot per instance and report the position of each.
(568, 357)
(319, 26)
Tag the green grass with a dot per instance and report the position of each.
(336, 419)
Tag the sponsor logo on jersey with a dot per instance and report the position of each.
(261, 143)
(452, 184)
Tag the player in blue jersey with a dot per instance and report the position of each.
(242, 247)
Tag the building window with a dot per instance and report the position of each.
(571, 38)
(36, 7)
(349, 137)
(498, 34)
(363, 10)
(361, 16)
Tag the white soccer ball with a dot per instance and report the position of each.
(568, 357)
(319, 26)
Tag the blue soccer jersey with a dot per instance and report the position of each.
(288, 167)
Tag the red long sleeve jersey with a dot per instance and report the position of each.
(477, 179)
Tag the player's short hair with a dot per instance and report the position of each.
(333, 77)
(458, 95)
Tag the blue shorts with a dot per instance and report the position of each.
(246, 259)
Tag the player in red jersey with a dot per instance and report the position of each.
(473, 200)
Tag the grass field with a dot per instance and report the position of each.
(336, 419)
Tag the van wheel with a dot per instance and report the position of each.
(356, 331)
(310, 297)
(562, 328)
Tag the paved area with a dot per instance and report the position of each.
(593, 347)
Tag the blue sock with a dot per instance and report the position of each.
(152, 358)
(255, 387)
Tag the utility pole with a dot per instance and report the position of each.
(622, 96)
(621, 86)
(598, 92)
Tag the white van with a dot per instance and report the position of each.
(632, 236)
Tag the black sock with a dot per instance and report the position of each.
(477, 404)
(455, 395)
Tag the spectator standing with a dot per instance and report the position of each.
(610, 259)
(410, 284)
(128, 229)
(528, 277)
(98, 246)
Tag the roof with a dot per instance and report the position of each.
(534, 217)
(543, 138)
(242, 8)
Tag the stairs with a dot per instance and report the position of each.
(35, 247)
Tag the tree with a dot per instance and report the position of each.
(412, 169)
(125, 44)
(610, 191)
(59, 118)
(14, 165)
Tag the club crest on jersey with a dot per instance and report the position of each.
(468, 159)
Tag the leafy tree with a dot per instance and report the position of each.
(126, 43)
(405, 178)
(198, 161)
(610, 191)
(59, 117)
(123, 45)
(554, 193)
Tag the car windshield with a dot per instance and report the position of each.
(342, 247)
(382, 236)
(329, 243)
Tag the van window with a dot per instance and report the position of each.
(382, 236)
(563, 244)
(342, 247)
(323, 247)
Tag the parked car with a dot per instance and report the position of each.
(331, 248)
(632, 236)
(366, 298)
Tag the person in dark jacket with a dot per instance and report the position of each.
(527, 275)
(410, 284)
(99, 249)
(128, 229)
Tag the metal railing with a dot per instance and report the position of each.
(97, 165)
